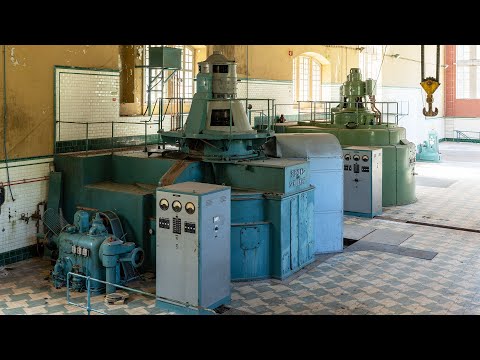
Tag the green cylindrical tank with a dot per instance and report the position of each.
(355, 123)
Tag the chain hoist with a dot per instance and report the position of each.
(430, 84)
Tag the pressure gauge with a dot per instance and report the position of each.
(347, 157)
(356, 157)
(365, 158)
(177, 206)
(189, 208)
(163, 204)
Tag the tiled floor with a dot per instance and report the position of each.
(352, 282)
(455, 205)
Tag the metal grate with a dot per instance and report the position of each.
(53, 221)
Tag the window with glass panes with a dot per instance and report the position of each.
(371, 62)
(306, 79)
(185, 74)
(468, 72)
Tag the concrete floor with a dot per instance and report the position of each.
(352, 282)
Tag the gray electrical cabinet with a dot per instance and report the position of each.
(362, 169)
(193, 245)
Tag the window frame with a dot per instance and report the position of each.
(188, 51)
(457, 107)
(303, 80)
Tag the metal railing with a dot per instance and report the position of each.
(321, 111)
(89, 309)
(462, 134)
(105, 134)
(105, 128)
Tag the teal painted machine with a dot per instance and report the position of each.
(272, 200)
(95, 249)
(428, 150)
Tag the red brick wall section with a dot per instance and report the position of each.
(456, 107)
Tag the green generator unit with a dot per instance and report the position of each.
(357, 122)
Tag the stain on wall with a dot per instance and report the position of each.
(29, 73)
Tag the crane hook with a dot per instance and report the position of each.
(430, 84)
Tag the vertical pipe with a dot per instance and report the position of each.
(438, 63)
(86, 141)
(247, 71)
(422, 61)
(268, 114)
(112, 136)
(146, 137)
(110, 278)
(149, 90)
(273, 113)
(68, 287)
(161, 115)
(5, 116)
(88, 295)
(230, 113)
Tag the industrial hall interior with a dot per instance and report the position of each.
(240, 180)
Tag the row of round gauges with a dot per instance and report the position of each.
(177, 206)
(356, 157)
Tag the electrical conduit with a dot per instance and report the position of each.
(5, 116)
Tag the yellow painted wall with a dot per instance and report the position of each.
(29, 70)
(30, 78)
(274, 62)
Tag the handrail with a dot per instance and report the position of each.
(90, 309)
(461, 134)
(312, 108)
(269, 111)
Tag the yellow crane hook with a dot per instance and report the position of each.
(430, 84)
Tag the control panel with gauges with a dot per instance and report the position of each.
(193, 243)
(362, 167)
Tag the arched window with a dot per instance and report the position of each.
(185, 75)
(306, 78)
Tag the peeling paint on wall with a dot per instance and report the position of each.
(12, 57)
(30, 96)
(139, 52)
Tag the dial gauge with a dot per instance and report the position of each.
(347, 157)
(163, 204)
(189, 208)
(365, 158)
(177, 206)
(356, 157)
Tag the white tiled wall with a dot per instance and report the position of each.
(415, 122)
(85, 96)
(14, 233)
(92, 96)
(281, 91)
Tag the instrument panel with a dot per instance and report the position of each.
(177, 206)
